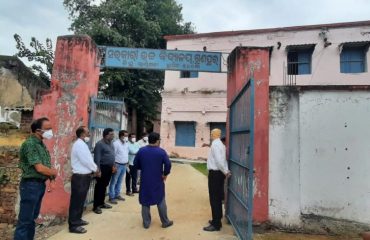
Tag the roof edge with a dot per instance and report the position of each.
(268, 30)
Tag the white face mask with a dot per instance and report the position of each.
(125, 139)
(133, 139)
(87, 139)
(48, 134)
(145, 139)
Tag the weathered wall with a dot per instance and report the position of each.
(245, 63)
(9, 184)
(284, 180)
(75, 78)
(199, 107)
(319, 155)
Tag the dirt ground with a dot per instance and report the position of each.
(188, 207)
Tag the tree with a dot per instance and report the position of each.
(130, 23)
(39, 54)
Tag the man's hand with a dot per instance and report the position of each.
(51, 186)
(228, 174)
(164, 178)
(97, 174)
(114, 169)
(53, 172)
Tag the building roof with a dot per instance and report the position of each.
(268, 30)
(34, 85)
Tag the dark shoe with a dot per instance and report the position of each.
(211, 228)
(83, 223)
(135, 191)
(113, 201)
(77, 230)
(146, 226)
(106, 206)
(166, 225)
(97, 210)
(120, 198)
(129, 194)
(210, 222)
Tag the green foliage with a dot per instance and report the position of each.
(42, 56)
(130, 23)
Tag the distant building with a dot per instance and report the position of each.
(19, 90)
(195, 102)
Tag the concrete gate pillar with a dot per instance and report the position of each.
(74, 80)
(244, 63)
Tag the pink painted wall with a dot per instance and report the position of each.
(244, 62)
(75, 78)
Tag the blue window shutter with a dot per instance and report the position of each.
(185, 134)
(304, 60)
(194, 74)
(352, 60)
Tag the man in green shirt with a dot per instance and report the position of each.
(36, 169)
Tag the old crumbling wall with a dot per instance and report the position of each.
(74, 80)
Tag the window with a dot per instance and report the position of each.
(353, 59)
(185, 134)
(299, 61)
(188, 74)
(219, 125)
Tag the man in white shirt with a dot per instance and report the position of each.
(143, 141)
(217, 171)
(83, 166)
(131, 175)
(121, 160)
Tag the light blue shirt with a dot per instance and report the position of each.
(121, 151)
(133, 148)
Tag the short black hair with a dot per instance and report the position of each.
(121, 133)
(131, 134)
(153, 137)
(37, 124)
(80, 130)
(223, 139)
(107, 131)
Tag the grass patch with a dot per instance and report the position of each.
(201, 167)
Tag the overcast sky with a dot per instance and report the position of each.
(48, 18)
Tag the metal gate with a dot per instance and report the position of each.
(240, 187)
(104, 113)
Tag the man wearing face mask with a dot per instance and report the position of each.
(121, 160)
(143, 141)
(82, 167)
(36, 169)
(104, 158)
(133, 148)
(217, 171)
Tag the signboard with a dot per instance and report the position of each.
(157, 59)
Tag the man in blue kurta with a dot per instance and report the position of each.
(155, 166)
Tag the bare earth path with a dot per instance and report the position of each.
(188, 207)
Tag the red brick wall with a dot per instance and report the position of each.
(75, 78)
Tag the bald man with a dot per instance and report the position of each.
(217, 171)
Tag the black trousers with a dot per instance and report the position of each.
(101, 185)
(131, 179)
(80, 184)
(216, 193)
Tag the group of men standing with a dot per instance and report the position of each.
(111, 161)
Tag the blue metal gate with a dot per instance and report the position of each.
(240, 187)
(104, 113)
